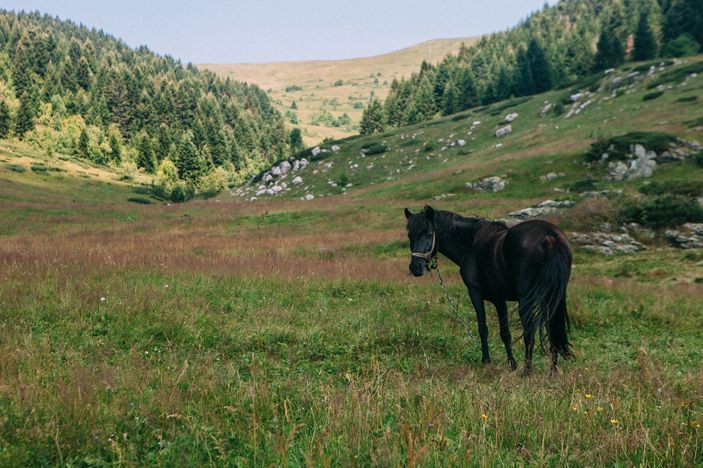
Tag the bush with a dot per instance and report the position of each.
(140, 200)
(682, 46)
(677, 75)
(689, 188)
(661, 212)
(343, 180)
(375, 148)
(16, 168)
(293, 88)
(583, 185)
(182, 193)
(619, 147)
(652, 95)
(699, 159)
(429, 146)
(687, 99)
(39, 168)
(339, 83)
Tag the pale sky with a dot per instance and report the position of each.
(242, 31)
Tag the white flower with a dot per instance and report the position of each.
(102, 299)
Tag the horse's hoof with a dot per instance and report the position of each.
(485, 361)
(513, 364)
(527, 371)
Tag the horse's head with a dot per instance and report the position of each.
(423, 241)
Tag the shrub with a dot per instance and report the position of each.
(375, 148)
(688, 188)
(682, 46)
(293, 88)
(652, 95)
(16, 168)
(343, 180)
(339, 83)
(687, 99)
(140, 200)
(699, 159)
(429, 146)
(39, 168)
(677, 75)
(661, 212)
(583, 185)
(619, 147)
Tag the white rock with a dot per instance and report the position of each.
(285, 167)
(461, 142)
(335, 148)
(504, 131)
(511, 117)
(275, 171)
(276, 189)
(297, 180)
(316, 150)
(309, 197)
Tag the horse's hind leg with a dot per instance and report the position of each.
(528, 334)
(556, 328)
(502, 309)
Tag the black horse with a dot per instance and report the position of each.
(529, 263)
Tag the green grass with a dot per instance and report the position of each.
(285, 332)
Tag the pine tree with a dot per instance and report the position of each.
(373, 118)
(466, 95)
(540, 67)
(84, 144)
(146, 158)
(610, 53)
(645, 42)
(115, 149)
(526, 83)
(295, 140)
(189, 163)
(4, 120)
(24, 121)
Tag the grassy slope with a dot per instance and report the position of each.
(317, 79)
(290, 332)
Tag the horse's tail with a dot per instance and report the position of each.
(546, 302)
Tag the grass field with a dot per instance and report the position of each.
(284, 332)
(321, 93)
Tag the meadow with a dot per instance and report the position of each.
(285, 332)
(331, 88)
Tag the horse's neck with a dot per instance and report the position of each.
(458, 240)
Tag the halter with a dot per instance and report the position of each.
(430, 256)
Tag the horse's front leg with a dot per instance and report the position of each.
(477, 301)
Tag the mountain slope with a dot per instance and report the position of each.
(360, 78)
(436, 160)
(84, 94)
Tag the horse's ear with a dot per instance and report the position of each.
(429, 212)
(408, 214)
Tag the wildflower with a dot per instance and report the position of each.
(696, 424)
(588, 395)
(574, 408)
(614, 422)
(484, 417)
(599, 409)
(102, 299)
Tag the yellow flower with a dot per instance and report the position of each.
(574, 408)
(614, 422)
(599, 409)
(589, 395)
(696, 424)
(484, 417)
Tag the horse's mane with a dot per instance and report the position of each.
(445, 222)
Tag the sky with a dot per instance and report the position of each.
(247, 31)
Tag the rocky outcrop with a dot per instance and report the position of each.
(501, 132)
(489, 184)
(689, 236)
(544, 208)
(606, 243)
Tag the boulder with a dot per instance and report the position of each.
(690, 236)
(461, 142)
(297, 180)
(511, 117)
(606, 243)
(335, 148)
(285, 167)
(545, 108)
(276, 189)
(276, 171)
(303, 163)
(642, 164)
(544, 208)
(267, 178)
(501, 132)
(489, 184)
(316, 150)
(309, 197)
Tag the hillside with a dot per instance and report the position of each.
(318, 94)
(78, 93)
(283, 331)
(552, 48)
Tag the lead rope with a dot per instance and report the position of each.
(434, 267)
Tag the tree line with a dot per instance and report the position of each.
(80, 91)
(551, 48)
